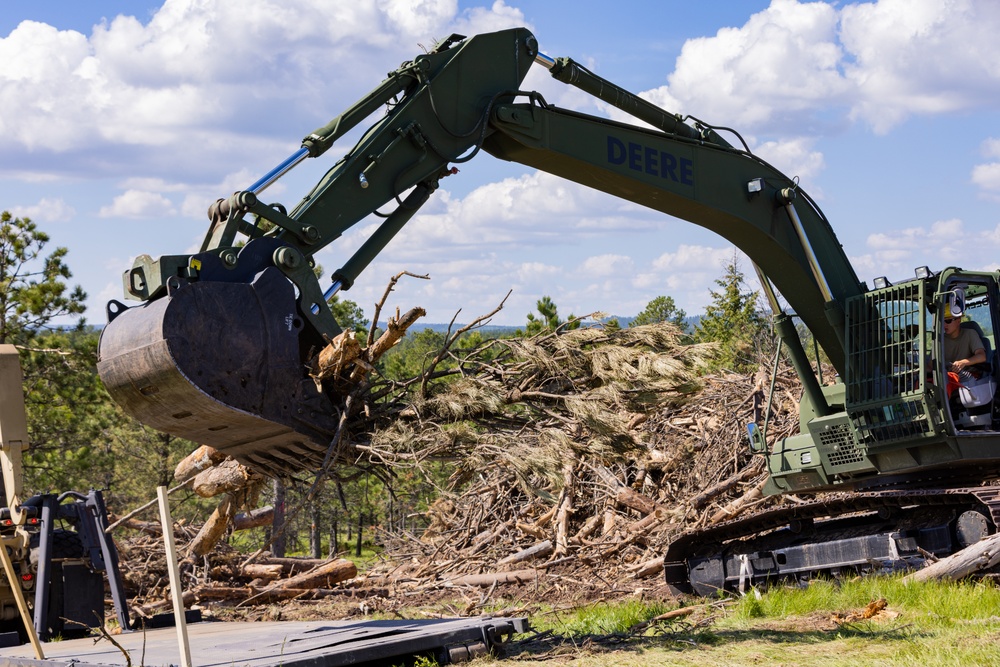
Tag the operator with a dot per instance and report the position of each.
(962, 347)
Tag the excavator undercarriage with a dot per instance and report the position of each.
(840, 533)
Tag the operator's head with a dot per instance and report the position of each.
(954, 305)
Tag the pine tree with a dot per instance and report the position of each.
(734, 320)
(661, 309)
(548, 318)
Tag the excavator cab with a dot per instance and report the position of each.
(971, 394)
(898, 407)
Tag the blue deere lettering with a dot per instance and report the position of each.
(650, 160)
(616, 151)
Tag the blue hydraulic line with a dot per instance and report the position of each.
(279, 171)
(328, 294)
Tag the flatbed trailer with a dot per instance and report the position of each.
(284, 643)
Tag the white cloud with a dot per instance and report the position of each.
(895, 253)
(784, 60)
(602, 266)
(138, 204)
(46, 210)
(532, 209)
(987, 175)
(798, 66)
(920, 56)
(794, 156)
(199, 82)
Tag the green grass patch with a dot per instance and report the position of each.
(939, 624)
(935, 602)
(601, 618)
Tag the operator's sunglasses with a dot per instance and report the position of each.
(949, 320)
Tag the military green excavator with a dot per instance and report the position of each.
(216, 349)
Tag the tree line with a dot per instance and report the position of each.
(80, 439)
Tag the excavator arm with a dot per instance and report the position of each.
(217, 350)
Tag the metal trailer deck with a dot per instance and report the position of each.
(282, 644)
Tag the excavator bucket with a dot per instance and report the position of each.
(220, 364)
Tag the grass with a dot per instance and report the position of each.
(604, 619)
(930, 625)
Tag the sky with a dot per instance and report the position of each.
(120, 122)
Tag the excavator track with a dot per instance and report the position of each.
(877, 530)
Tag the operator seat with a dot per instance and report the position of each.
(986, 344)
(974, 406)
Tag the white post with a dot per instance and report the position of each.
(175, 576)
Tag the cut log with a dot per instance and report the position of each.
(395, 329)
(706, 496)
(637, 501)
(213, 530)
(338, 356)
(535, 551)
(515, 577)
(238, 594)
(200, 459)
(227, 477)
(740, 504)
(982, 555)
(648, 568)
(324, 576)
(293, 564)
(261, 516)
(148, 527)
(588, 528)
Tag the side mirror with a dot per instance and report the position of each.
(756, 436)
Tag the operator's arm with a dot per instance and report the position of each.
(978, 356)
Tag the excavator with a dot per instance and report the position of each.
(892, 463)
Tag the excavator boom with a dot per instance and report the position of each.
(217, 350)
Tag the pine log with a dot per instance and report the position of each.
(243, 593)
(535, 551)
(338, 356)
(531, 529)
(227, 477)
(565, 506)
(706, 496)
(188, 598)
(738, 505)
(648, 522)
(515, 577)
(977, 557)
(631, 498)
(588, 528)
(148, 527)
(330, 573)
(200, 459)
(648, 568)
(214, 528)
(259, 571)
(395, 329)
(261, 516)
(294, 564)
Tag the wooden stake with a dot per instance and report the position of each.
(175, 577)
(22, 606)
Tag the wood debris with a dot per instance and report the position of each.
(576, 456)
